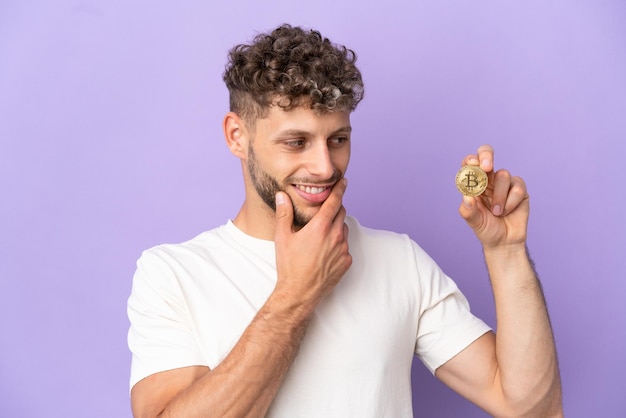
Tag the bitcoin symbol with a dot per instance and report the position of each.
(471, 180)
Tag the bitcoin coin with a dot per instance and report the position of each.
(471, 180)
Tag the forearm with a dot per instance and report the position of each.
(309, 264)
(247, 380)
(526, 355)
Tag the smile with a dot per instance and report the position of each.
(311, 190)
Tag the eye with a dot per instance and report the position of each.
(338, 141)
(295, 143)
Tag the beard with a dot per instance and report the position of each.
(267, 186)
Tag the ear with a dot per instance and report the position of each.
(236, 135)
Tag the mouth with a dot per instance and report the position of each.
(313, 194)
(312, 189)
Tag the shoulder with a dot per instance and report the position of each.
(170, 252)
(379, 239)
(388, 246)
(161, 266)
(361, 232)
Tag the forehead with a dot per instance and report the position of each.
(302, 118)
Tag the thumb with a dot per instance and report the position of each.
(470, 211)
(284, 213)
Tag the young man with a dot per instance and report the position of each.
(293, 309)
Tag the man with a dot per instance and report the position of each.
(295, 310)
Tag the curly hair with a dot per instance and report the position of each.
(291, 67)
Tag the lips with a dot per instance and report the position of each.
(311, 189)
(313, 194)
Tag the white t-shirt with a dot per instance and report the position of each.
(191, 302)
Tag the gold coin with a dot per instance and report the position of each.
(471, 180)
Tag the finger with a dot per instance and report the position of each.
(339, 232)
(348, 258)
(333, 204)
(340, 217)
(485, 156)
(284, 214)
(470, 211)
(470, 159)
(517, 194)
(501, 188)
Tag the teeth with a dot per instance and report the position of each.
(311, 190)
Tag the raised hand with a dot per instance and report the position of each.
(514, 372)
(310, 262)
(500, 215)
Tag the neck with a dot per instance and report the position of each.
(256, 220)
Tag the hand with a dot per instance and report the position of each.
(500, 215)
(311, 261)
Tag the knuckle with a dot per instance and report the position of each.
(503, 174)
(334, 199)
(519, 181)
(348, 261)
(517, 191)
(336, 236)
(281, 213)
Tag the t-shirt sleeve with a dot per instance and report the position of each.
(446, 324)
(160, 337)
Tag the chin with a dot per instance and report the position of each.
(302, 217)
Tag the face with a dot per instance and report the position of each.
(301, 153)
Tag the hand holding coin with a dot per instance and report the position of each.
(495, 203)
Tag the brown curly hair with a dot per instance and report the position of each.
(292, 67)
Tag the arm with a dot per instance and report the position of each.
(515, 371)
(310, 263)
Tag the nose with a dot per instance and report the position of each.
(319, 163)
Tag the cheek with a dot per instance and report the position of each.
(271, 162)
(282, 172)
(341, 160)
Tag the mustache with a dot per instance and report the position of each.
(336, 176)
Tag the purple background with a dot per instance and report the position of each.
(111, 142)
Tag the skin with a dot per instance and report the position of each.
(511, 373)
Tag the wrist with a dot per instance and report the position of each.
(506, 250)
(289, 309)
(507, 257)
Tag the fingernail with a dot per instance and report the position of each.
(467, 201)
(497, 210)
(473, 161)
(485, 164)
(280, 199)
(345, 181)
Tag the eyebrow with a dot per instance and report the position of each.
(298, 132)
